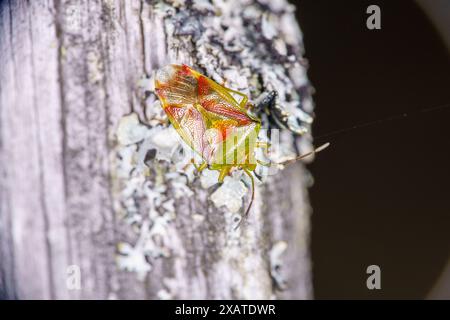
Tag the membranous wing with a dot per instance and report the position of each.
(203, 112)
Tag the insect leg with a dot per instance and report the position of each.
(201, 167)
(251, 200)
(223, 173)
(265, 164)
(264, 145)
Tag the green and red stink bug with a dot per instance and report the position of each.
(212, 122)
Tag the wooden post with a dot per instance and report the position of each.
(77, 111)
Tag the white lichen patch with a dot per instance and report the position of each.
(276, 263)
(130, 130)
(181, 190)
(268, 29)
(142, 186)
(230, 194)
(209, 178)
(150, 245)
(132, 259)
(280, 46)
(164, 141)
(147, 83)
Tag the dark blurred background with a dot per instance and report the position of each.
(381, 193)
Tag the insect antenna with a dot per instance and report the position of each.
(395, 117)
(366, 124)
(316, 150)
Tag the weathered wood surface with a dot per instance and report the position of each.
(70, 193)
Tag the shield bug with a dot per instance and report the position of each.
(208, 117)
